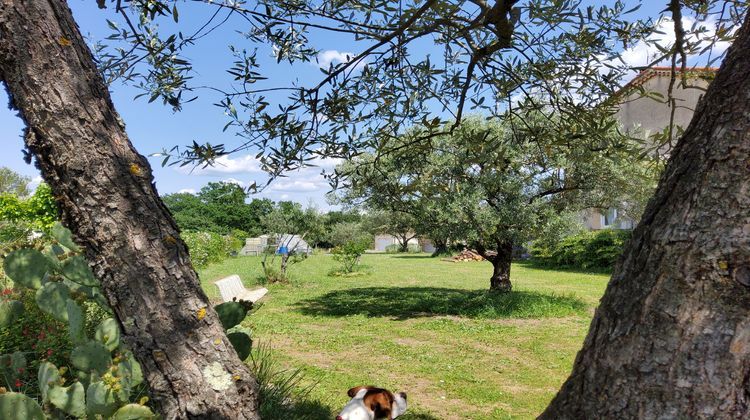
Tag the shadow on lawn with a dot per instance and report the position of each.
(413, 302)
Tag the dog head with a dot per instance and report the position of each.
(371, 403)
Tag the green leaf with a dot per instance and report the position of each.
(108, 333)
(92, 356)
(133, 412)
(26, 267)
(63, 235)
(242, 344)
(70, 399)
(76, 323)
(10, 310)
(100, 399)
(77, 270)
(53, 299)
(17, 406)
(48, 375)
(230, 314)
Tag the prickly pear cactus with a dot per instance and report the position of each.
(133, 412)
(10, 310)
(100, 399)
(242, 343)
(105, 373)
(77, 270)
(48, 377)
(108, 333)
(69, 399)
(17, 406)
(91, 356)
(53, 298)
(26, 267)
(230, 313)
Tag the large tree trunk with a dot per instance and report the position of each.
(500, 280)
(105, 190)
(671, 336)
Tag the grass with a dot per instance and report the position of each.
(426, 327)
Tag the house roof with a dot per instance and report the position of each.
(651, 72)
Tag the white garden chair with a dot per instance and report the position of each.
(231, 287)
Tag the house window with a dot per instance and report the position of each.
(609, 217)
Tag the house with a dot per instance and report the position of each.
(643, 108)
(383, 241)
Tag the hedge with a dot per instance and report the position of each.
(588, 250)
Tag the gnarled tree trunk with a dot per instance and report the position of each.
(501, 261)
(105, 190)
(671, 337)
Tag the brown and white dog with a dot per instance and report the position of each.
(371, 403)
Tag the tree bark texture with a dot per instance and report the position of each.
(671, 336)
(106, 193)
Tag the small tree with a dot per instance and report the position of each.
(493, 188)
(351, 241)
(288, 223)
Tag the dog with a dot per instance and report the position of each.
(372, 403)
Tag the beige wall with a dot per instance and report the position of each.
(652, 114)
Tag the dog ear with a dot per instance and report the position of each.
(352, 392)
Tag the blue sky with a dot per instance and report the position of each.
(152, 127)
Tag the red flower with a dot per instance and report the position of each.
(42, 335)
(18, 383)
(49, 352)
(7, 291)
(20, 370)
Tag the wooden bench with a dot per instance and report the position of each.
(231, 287)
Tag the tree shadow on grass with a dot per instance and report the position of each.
(414, 302)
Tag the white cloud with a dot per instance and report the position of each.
(296, 185)
(645, 52)
(325, 58)
(187, 191)
(225, 165)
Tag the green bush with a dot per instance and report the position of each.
(350, 253)
(392, 249)
(587, 250)
(208, 247)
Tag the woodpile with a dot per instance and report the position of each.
(466, 255)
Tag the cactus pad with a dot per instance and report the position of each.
(63, 235)
(133, 412)
(10, 310)
(242, 344)
(230, 314)
(48, 376)
(91, 356)
(26, 267)
(75, 323)
(17, 406)
(77, 270)
(52, 298)
(70, 399)
(100, 400)
(108, 333)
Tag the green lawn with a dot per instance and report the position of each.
(427, 327)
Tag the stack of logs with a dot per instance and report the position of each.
(466, 255)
